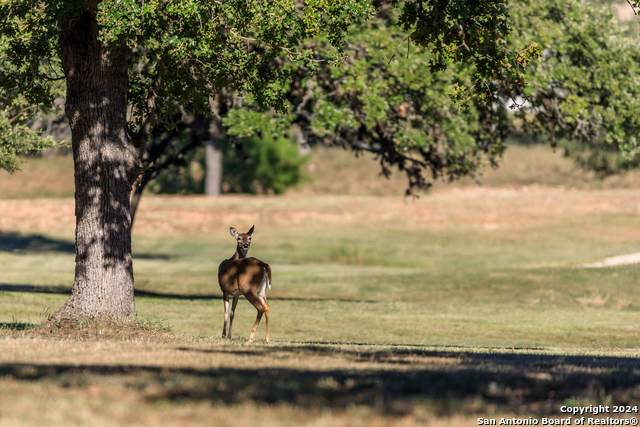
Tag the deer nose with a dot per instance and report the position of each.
(246, 246)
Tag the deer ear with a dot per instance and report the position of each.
(250, 232)
(233, 232)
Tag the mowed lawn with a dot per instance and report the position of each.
(384, 311)
(470, 267)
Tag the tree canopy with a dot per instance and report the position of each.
(129, 65)
(581, 95)
(584, 94)
(16, 137)
(182, 51)
(179, 51)
(402, 105)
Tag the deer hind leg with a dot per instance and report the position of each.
(262, 308)
(225, 298)
(233, 311)
(266, 318)
(262, 296)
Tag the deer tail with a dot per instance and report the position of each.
(267, 272)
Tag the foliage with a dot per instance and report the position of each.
(185, 175)
(16, 140)
(585, 94)
(261, 156)
(582, 95)
(469, 31)
(392, 105)
(16, 112)
(251, 165)
(268, 164)
(244, 122)
(180, 51)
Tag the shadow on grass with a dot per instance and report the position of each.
(36, 243)
(16, 242)
(18, 326)
(490, 358)
(44, 289)
(152, 294)
(64, 290)
(162, 257)
(458, 382)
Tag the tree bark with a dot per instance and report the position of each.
(105, 163)
(213, 150)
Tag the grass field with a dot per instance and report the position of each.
(385, 311)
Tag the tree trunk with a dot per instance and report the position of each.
(213, 150)
(105, 165)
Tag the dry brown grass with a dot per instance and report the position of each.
(474, 207)
(50, 176)
(478, 208)
(149, 382)
(114, 402)
(336, 171)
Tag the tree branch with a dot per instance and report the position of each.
(635, 12)
(149, 120)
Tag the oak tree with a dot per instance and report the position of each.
(128, 65)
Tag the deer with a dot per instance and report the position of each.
(249, 277)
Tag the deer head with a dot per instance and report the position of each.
(244, 241)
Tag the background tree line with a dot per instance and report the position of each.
(581, 96)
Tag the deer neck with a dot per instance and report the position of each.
(240, 253)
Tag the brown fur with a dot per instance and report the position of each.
(239, 275)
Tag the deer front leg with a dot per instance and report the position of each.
(233, 311)
(255, 326)
(225, 298)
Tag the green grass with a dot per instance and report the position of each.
(453, 285)
(378, 322)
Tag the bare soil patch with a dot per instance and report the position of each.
(626, 259)
(481, 208)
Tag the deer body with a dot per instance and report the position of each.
(249, 277)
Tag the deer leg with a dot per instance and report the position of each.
(225, 298)
(266, 317)
(255, 326)
(233, 311)
(263, 300)
(260, 305)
